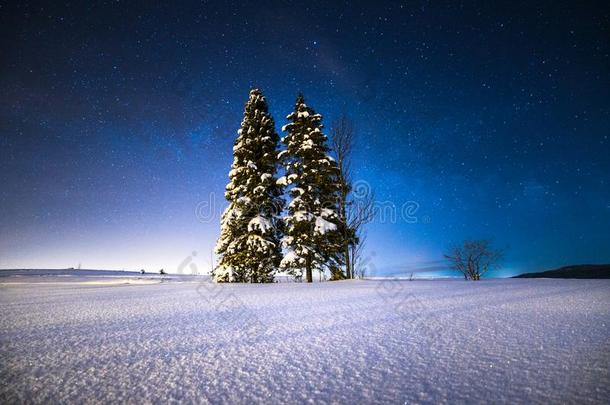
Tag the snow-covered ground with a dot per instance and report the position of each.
(182, 338)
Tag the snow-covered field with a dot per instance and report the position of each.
(75, 339)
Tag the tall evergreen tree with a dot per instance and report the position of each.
(314, 233)
(250, 232)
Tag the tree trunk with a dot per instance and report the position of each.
(348, 266)
(343, 215)
(308, 271)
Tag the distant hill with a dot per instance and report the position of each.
(576, 271)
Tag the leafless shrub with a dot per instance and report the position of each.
(474, 258)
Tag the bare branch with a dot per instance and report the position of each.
(474, 258)
(355, 212)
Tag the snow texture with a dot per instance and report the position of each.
(260, 223)
(282, 181)
(498, 341)
(323, 226)
(303, 216)
(290, 258)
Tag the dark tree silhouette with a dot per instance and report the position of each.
(474, 258)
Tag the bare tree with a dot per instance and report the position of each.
(360, 264)
(474, 258)
(343, 145)
(354, 209)
(360, 211)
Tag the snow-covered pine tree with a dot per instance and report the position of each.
(314, 232)
(250, 231)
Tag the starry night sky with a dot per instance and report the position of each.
(117, 120)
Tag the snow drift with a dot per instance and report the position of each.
(534, 341)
